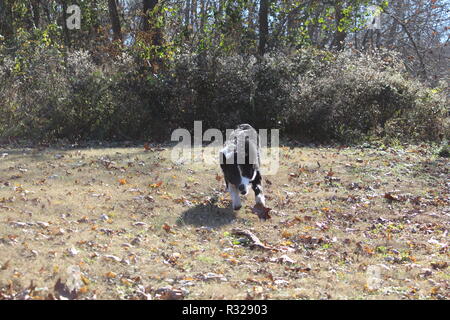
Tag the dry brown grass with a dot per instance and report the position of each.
(170, 225)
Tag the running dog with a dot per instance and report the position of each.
(240, 162)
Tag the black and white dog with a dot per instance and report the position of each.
(240, 162)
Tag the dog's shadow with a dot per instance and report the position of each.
(207, 216)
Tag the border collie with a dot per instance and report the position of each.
(240, 162)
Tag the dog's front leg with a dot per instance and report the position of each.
(235, 198)
(257, 188)
(259, 196)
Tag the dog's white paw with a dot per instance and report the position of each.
(260, 199)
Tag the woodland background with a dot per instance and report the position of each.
(140, 69)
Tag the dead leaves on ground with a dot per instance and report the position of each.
(261, 211)
(361, 213)
(167, 228)
(156, 185)
(439, 265)
(63, 292)
(393, 197)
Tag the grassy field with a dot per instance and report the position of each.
(128, 223)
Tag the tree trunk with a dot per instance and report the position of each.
(64, 24)
(339, 36)
(203, 8)
(194, 21)
(187, 13)
(95, 25)
(152, 33)
(47, 14)
(35, 11)
(115, 21)
(220, 9)
(149, 5)
(263, 26)
(251, 16)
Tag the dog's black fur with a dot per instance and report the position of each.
(240, 163)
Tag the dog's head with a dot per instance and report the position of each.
(239, 158)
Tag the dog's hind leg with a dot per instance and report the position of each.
(257, 188)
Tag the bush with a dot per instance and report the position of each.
(56, 96)
(444, 150)
(359, 95)
(311, 94)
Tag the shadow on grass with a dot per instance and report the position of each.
(207, 216)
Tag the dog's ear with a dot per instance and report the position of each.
(251, 152)
(222, 158)
(247, 149)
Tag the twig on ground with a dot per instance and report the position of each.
(256, 243)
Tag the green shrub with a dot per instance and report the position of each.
(311, 94)
(358, 95)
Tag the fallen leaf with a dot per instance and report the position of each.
(72, 251)
(212, 276)
(167, 293)
(439, 265)
(85, 280)
(284, 259)
(5, 265)
(286, 234)
(166, 227)
(62, 292)
(281, 282)
(391, 197)
(156, 185)
(111, 257)
(299, 269)
(83, 289)
(261, 211)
